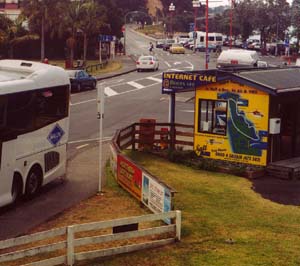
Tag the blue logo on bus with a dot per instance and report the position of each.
(55, 135)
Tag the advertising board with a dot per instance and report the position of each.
(129, 176)
(156, 196)
(231, 123)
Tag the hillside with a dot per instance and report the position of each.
(152, 5)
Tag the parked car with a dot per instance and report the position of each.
(239, 58)
(147, 62)
(202, 48)
(81, 80)
(160, 43)
(177, 48)
(167, 44)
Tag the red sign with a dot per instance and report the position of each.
(129, 177)
(123, 28)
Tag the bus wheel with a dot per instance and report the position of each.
(34, 181)
(17, 188)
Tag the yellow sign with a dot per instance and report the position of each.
(231, 123)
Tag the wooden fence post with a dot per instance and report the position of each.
(70, 245)
(178, 225)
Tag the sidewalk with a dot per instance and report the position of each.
(128, 65)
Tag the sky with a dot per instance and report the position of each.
(224, 2)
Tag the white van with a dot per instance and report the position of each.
(239, 58)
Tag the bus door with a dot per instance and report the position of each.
(7, 155)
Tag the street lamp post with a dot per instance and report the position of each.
(41, 2)
(196, 4)
(231, 16)
(171, 10)
(206, 35)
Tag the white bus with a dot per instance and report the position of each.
(34, 127)
(214, 40)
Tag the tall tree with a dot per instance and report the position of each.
(42, 18)
(295, 14)
(93, 17)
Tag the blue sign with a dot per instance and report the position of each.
(192, 26)
(106, 38)
(55, 134)
(186, 81)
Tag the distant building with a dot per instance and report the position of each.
(11, 8)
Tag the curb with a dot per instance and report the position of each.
(118, 74)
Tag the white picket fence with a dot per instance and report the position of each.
(71, 241)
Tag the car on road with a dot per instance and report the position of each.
(239, 58)
(81, 80)
(147, 62)
(167, 44)
(160, 43)
(177, 48)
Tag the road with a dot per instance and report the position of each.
(129, 98)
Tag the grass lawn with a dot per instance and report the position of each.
(112, 65)
(224, 222)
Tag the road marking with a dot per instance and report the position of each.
(109, 92)
(177, 63)
(82, 146)
(167, 63)
(87, 101)
(188, 111)
(174, 69)
(191, 65)
(135, 84)
(154, 79)
(89, 140)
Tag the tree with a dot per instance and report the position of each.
(13, 33)
(42, 18)
(295, 14)
(93, 17)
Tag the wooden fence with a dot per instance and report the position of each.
(70, 243)
(154, 136)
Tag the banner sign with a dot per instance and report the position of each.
(232, 123)
(155, 196)
(186, 81)
(129, 176)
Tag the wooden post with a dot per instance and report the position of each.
(70, 245)
(178, 225)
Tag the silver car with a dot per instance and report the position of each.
(147, 62)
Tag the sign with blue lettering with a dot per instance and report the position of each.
(186, 81)
(106, 38)
(55, 134)
(192, 26)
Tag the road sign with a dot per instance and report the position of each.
(192, 26)
(106, 38)
(123, 28)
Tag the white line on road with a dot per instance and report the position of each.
(136, 85)
(187, 111)
(87, 101)
(191, 65)
(154, 79)
(167, 63)
(88, 140)
(82, 146)
(109, 92)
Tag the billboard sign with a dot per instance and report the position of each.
(129, 176)
(156, 196)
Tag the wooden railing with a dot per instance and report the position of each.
(69, 245)
(154, 135)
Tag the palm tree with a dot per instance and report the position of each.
(42, 18)
(13, 33)
(93, 19)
